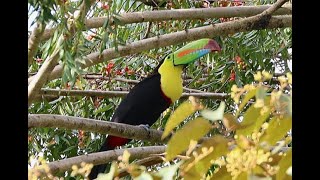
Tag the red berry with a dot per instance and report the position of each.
(90, 37)
(237, 3)
(110, 65)
(30, 138)
(119, 72)
(223, 3)
(105, 6)
(238, 59)
(39, 60)
(126, 69)
(130, 72)
(232, 76)
(67, 86)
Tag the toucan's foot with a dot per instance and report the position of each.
(145, 126)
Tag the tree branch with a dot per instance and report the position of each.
(44, 72)
(61, 92)
(92, 125)
(210, 31)
(103, 157)
(178, 14)
(273, 8)
(34, 41)
(148, 161)
(131, 81)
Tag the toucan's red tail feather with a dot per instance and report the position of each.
(114, 141)
(111, 143)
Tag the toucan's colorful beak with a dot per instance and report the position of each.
(194, 50)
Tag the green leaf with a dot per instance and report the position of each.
(104, 109)
(284, 164)
(180, 114)
(68, 149)
(65, 140)
(216, 114)
(56, 138)
(277, 129)
(181, 139)
(198, 169)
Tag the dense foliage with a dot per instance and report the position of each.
(242, 69)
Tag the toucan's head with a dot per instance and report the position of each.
(193, 51)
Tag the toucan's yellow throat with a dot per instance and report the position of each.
(171, 81)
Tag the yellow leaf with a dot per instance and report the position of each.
(109, 176)
(243, 176)
(143, 176)
(247, 97)
(244, 143)
(216, 114)
(168, 172)
(284, 104)
(193, 130)
(230, 122)
(125, 156)
(252, 121)
(254, 177)
(196, 169)
(180, 114)
(277, 129)
(258, 170)
(79, 84)
(284, 164)
(222, 174)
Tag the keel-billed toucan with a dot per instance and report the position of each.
(154, 94)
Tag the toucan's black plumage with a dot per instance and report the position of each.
(142, 106)
(154, 94)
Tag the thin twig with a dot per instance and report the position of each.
(146, 35)
(34, 41)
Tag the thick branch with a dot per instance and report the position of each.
(178, 14)
(210, 31)
(92, 125)
(60, 92)
(44, 72)
(34, 41)
(103, 157)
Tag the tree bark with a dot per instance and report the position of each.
(92, 125)
(103, 157)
